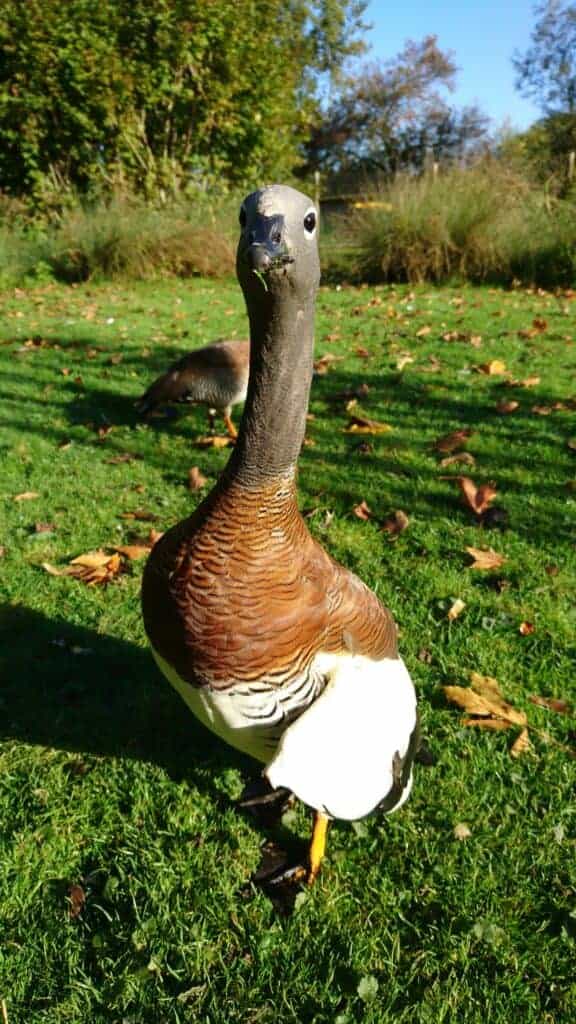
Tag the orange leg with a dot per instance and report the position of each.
(317, 846)
(229, 425)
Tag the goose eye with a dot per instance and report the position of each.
(242, 217)
(310, 222)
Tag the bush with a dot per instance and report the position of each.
(124, 238)
(484, 223)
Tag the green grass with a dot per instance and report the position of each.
(107, 782)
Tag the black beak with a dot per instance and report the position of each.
(267, 247)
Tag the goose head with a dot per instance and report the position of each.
(278, 246)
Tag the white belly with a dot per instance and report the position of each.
(249, 718)
(338, 756)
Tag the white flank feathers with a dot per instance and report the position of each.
(338, 755)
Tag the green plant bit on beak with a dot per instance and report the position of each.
(261, 278)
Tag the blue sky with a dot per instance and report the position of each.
(482, 38)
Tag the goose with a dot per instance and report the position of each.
(274, 646)
(215, 375)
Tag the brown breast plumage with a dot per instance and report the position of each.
(241, 591)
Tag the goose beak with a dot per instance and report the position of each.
(267, 247)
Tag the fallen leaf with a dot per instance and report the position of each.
(95, 567)
(404, 360)
(486, 686)
(196, 479)
(323, 364)
(423, 332)
(362, 511)
(133, 551)
(521, 744)
(77, 899)
(2, 550)
(482, 706)
(528, 382)
(456, 609)
(485, 558)
(494, 368)
(476, 340)
(477, 499)
(464, 457)
(541, 410)
(494, 724)
(139, 513)
(361, 425)
(451, 442)
(214, 441)
(364, 353)
(154, 536)
(44, 527)
(540, 324)
(504, 407)
(117, 460)
(526, 628)
(396, 524)
(26, 496)
(462, 831)
(562, 707)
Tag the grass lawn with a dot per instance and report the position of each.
(123, 864)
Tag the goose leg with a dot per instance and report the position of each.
(229, 425)
(317, 846)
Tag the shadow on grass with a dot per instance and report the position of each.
(73, 689)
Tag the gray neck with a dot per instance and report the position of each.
(274, 421)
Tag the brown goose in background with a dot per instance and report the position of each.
(275, 647)
(215, 375)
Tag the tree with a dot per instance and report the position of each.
(162, 95)
(546, 73)
(392, 117)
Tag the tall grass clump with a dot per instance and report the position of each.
(123, 238)
(482, 223)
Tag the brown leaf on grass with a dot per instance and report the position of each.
(362, 511)
(504, 407)
(526, 628)
(196, 479)
(496, 367)
(476, 340)
(541, 410)
(118, 460)
(477, 499)
(95, 567)
(140, 514)
(485, 558)
(464, 457)
(396, 524)
(456, 609)
(323, 364)
(521, 744)
(486, 723)
(451, 442)
(528, 382)
(562, 707)
(44, 528)
(364, 353)
(539, 324)
(133, 551)
(154, 536)
(77, 899)
(486, 686)
(26, 496)
(2, 550)
(485, 706)
(362, 425)
(214, 441)
(423, 332)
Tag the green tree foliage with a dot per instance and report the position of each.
(546, 73)
(162, 95)
(392, 117)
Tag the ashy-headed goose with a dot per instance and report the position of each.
(278, 649)
(215, 375)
